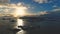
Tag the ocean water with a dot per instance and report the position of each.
(39, 26)
(28, 23)
(45, 26)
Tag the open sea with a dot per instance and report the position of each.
(40, 26)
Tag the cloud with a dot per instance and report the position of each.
(49, 12)
(42, 12)
(38, 13)
(56, 9)
(15, 9)
(4, 1)
(55, 6)
(41, 1)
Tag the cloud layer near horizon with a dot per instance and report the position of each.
(57, 10)
(12, 8)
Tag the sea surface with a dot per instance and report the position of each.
(46, 26)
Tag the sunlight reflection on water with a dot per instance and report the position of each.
(22, 32)
(20, 23)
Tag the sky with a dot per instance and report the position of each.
(37, 6)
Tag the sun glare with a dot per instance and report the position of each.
(20, 11)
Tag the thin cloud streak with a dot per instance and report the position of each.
(41, 1)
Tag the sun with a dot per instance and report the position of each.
(20, 11)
